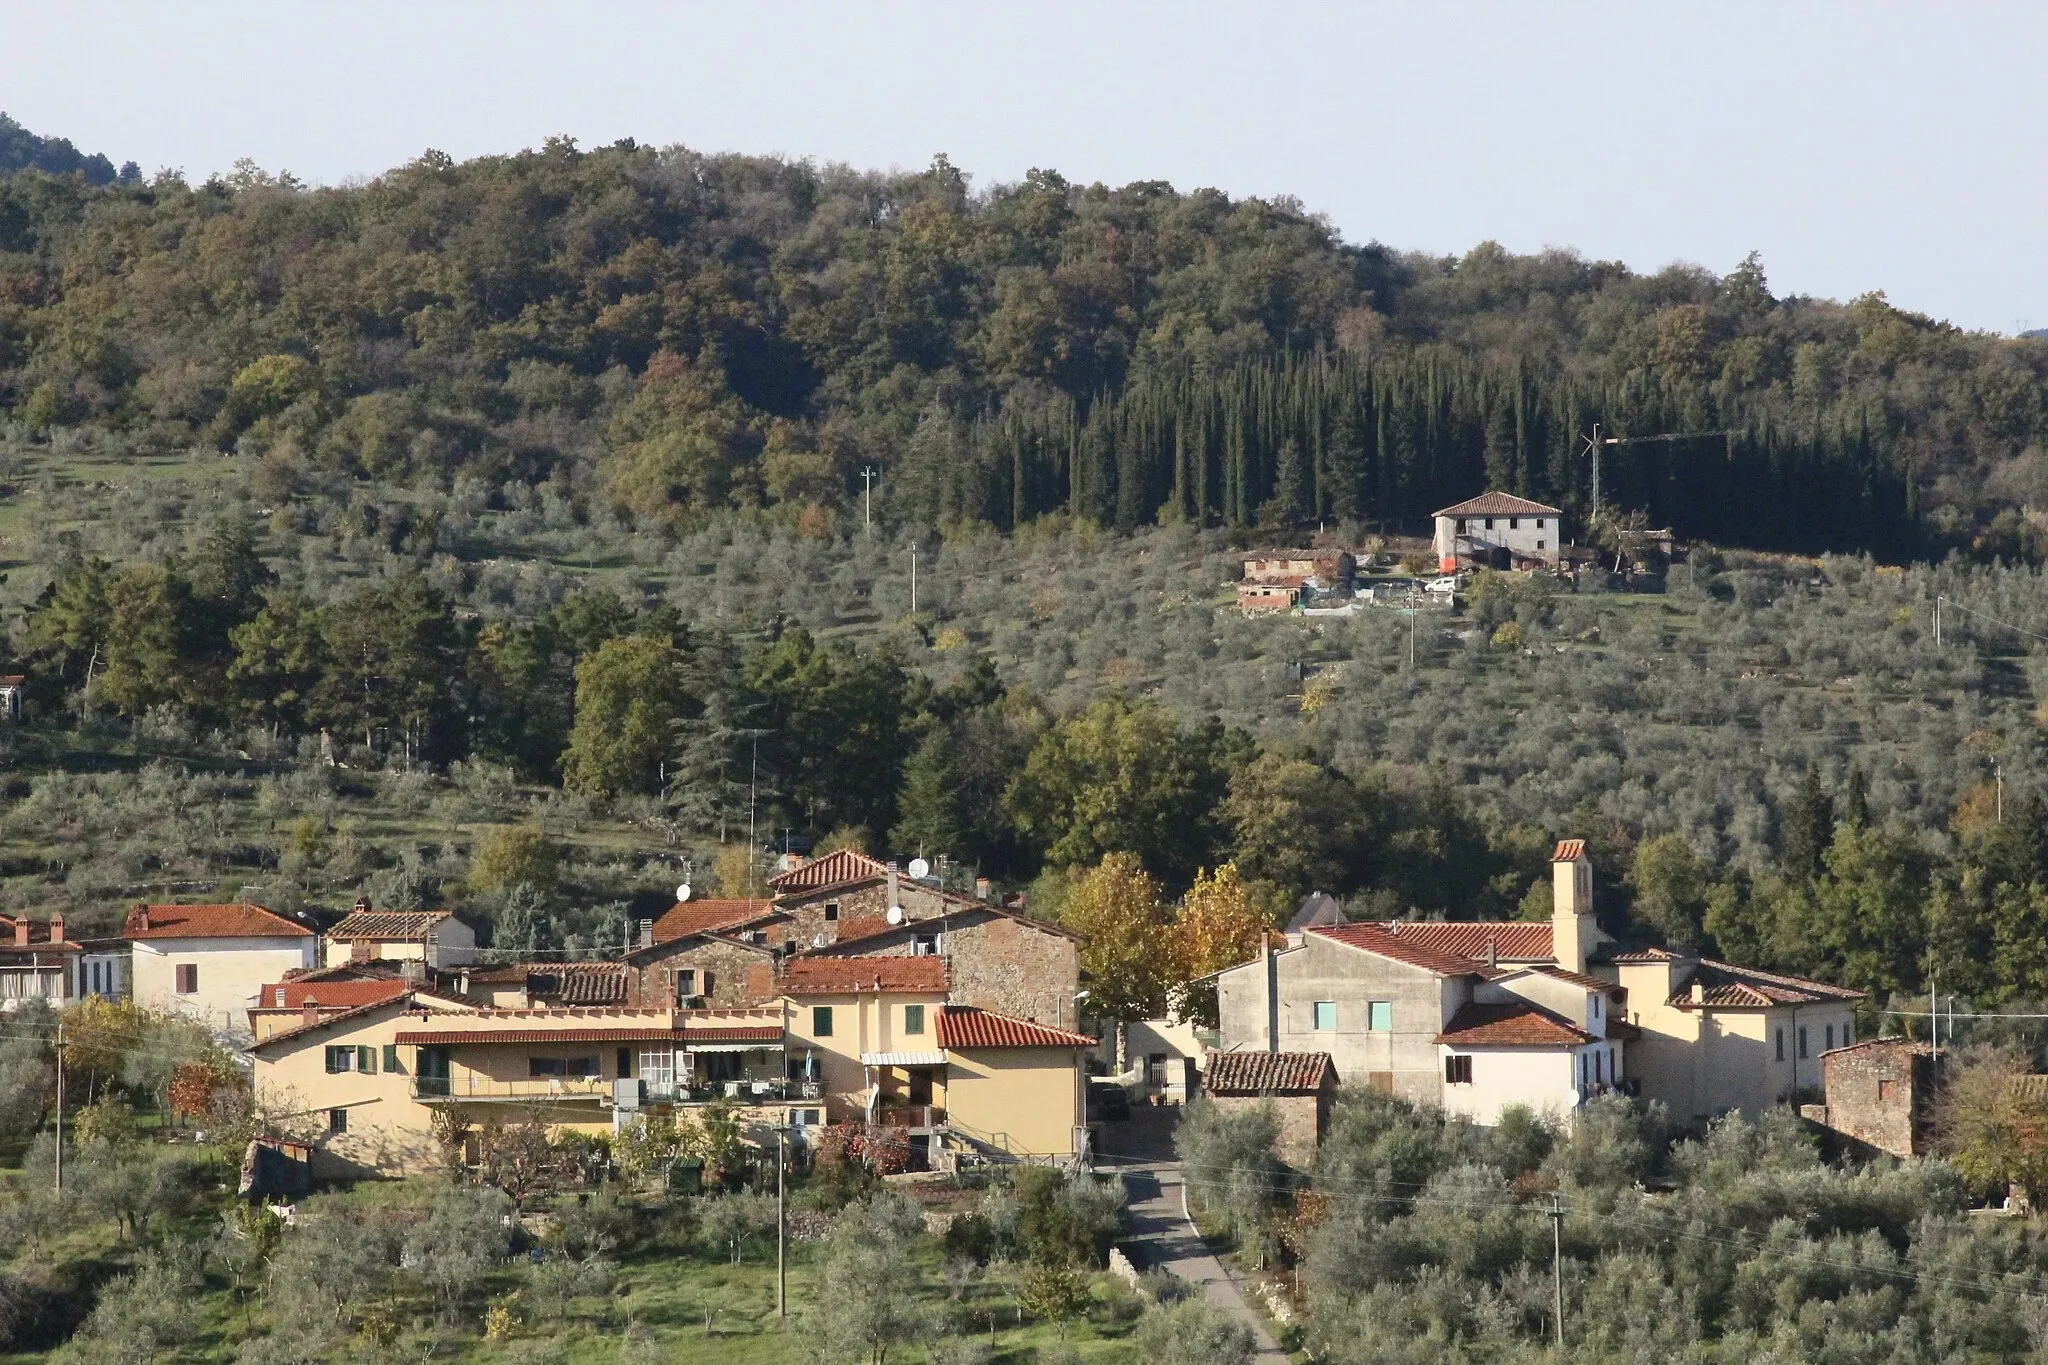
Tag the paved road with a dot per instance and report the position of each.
(1142, 1150)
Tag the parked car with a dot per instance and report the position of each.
(1108, 1100)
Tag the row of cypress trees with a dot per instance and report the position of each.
(1387, 439)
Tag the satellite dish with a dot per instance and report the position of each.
(683, 892)
(895, 915)
(919, 869)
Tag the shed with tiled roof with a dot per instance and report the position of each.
(1299, 1089)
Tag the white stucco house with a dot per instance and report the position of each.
(1498, 531)
(210, 962)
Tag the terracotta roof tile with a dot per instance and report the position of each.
(969, 1027)
(846, 975)
(1591, 983)
(856, 927)
(835, 868)
(1726, 986)
(701, 917)
(326, 1021)
(397, 926)
(1267, 1073)
(1508, 940)
(566, 983)
(1568, 851)
(209, 921)
(332, 994)
(1498, 505)
(1412, 949)
(736, 1033)
(1511, 1024)
(491, 1037)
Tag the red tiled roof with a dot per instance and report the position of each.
(1266, 1073)
(394, 926)
(969, 1027)
(846, 975)
(444, 1037)
(1511, 1024)
(1640, 955)
(39, 940)
(839, 866)
(1412, 949)
(325, 1021)
(1568, 851)
(1510, 940)
(209, 921)
(569, 983)
(1497, 505)
(1727, 986)
(1591, 983)
(863, 926)
(332, 994)
(685, 918)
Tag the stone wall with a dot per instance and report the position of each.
(652, 981)
(1879, 1094)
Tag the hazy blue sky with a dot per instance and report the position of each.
(1856, 146)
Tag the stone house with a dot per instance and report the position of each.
(701, 953)
(1253, 598)
(1301, 1088)
(1879, 1094)
(1327, 570)
(999, 959)
(1498, 531)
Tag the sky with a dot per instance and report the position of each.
(1857, 147)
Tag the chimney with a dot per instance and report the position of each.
(361, 950)
(137, 921)
(462, 982)
(1699, 991)
(21, 932)
(309, 1013)
(362, 905)
(1272, 993)
(893, 901)
(646, 933)
(1492, 951)
(1572, 929)
(56, 928)
(981, 888)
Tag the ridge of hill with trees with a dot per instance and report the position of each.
(668, 336)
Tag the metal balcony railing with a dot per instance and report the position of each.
(471, 1086)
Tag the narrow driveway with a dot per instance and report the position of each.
(1141, 1150)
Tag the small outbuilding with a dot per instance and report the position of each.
(1301, 1087)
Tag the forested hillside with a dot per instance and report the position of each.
(668, 335)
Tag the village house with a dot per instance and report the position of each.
(1498, 531)
(283, 1005)
(998, 958)
(209, 962)
(435, 937)
(700, 953)
(1330, 571)
(1253, 598)
(1879, 1095)
(1717, 1037)
(1299, 1087)
(37, 962)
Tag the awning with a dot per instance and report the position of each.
(733, 1047)
(902, 1059)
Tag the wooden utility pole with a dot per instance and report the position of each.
(867, 482)
(913, 580)
(1557, 1261)
(781, 1220)
(60, 1104)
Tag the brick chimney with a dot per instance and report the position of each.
(309, 1013)
(21, 932)
(137, 921)
(361, 950)
(981, 888)
(646, 933)
(56, 928)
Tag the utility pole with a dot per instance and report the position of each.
(867, 480)
(1557, 1260)
(1596, 475)
(913, 580)
(1413, 612)
(1998, 776)
(60, 1105)
(1937, 622)
(781, 1220)
(753, 774)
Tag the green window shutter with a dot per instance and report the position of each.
(366, 1060)
(391, 1058)
(821, 1021)
(913, 1018)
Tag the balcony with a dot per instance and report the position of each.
(896, 1113)
(471, 1086)
(765, 1090)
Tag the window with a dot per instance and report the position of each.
(913, 1018)
(366, 1060)
(1489, 523)
(925, 945)
(1802, 1041)
(625, 1060)
(1379, 1016)
(1884, 1091)
(337, 1120)
(1599, 1068)
(391, 1066)
(1514, 523)
(831, 911)
(188, 978)
(1461, 526)
(1596, 1007)
(340, 1059)
(1539, 544)
(1781, 1045)
(658, 1067)
(1457, 1071)
(686, 983)
(805, 1118)
(710, 984)
(821, 1021)
(561, 1066)
(1831, 1038)
(1539, 526)
(1326, 1015)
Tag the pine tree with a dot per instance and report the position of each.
(928, 808)
(1808, 828)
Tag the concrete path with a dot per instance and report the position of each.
(1160, 1227)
